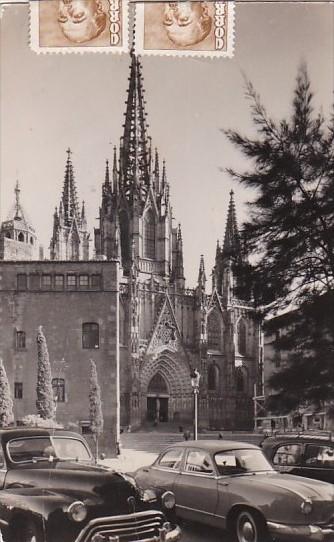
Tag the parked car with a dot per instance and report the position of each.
(231, 485)
(309, 453)
(52, 491)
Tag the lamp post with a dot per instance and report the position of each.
(195, 378)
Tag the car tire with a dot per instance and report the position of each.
(250, 526)
(26, 531)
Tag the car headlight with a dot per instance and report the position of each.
(306, 506)
(168, 500)
(149, 495)
(77, 511)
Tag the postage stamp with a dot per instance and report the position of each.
(185, 28)
(77, 26)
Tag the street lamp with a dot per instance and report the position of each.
(195, 378)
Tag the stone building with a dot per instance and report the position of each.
(154, 330)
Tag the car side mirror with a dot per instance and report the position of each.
(102, 456)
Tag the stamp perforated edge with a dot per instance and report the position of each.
(139, 38)
(112, 49)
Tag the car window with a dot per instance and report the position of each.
(171, 459)
(70, 448)
(199, 461)
(319, 456)
(27, 449)
(288, 454)
(246, 460)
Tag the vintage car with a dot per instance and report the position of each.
(52, 491)
(231, 485)
(308, 453)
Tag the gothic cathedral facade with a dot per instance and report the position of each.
(165, 329)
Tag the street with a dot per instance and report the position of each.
(194, 532)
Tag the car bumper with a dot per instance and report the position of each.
(149, 526)
(296, 533)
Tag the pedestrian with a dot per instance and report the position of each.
(220, 436)
(186, 435)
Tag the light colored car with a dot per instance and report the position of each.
(231, 485)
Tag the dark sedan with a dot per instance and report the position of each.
(53, 492)
(231, 485)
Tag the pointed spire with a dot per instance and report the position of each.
(156, 171)
(134, 144)
(114, 171)
(201, 273)
(179, 257)
(83, 211)
(17, 201)
(164, 175)
(69, 196)
(231, 246)
(107, 176)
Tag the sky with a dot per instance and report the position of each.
(54, 101)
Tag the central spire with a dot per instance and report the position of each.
(231, 246)
(134, 143)
(69, 197)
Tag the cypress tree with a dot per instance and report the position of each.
(6, 402)
(95, 405)
(45, 401)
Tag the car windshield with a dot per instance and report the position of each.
(248, 460)
(27, 449)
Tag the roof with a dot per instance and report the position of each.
(16, 432)
(215, 446)
(322, 436)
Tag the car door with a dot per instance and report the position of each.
(319, 462)
(195, 487)
(162, 473)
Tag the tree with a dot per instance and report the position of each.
(6, 402)
(291, 226)
(290, 234)
(95, 405)
(45, 403)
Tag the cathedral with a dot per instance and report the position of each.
(157, 330)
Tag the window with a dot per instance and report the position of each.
(125, 235)
(22, 283)
(18, 390)
(319, 456)
(83, 282)
(46, 282)
(90, 335)
(199, 461)
(20, 342)
(71, 282)
(21, 237)
(96, 282)
(214, 331)
(149, 235)
(59, 282)
(58, 386)
(289, 454)
(34, 281)
(213, 378)
(31, 240)
(242, 337)
(240, 380)
(171, 459)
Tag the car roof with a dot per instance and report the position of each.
(297, 437)
(9, 433)
(214, 446)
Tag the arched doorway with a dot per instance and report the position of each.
(157, 399)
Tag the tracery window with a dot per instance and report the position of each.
(125, 237)
(240, 379)
(242, 337)
(214, 331)
(149, 235)
(213, 378)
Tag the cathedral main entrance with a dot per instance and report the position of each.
(157, 399)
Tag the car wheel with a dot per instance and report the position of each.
(26, 531)
(250, 527)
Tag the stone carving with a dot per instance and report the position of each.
(165, 336)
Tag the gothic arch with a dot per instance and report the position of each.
(213, 378)
(241, 379)
(149, 234)
(21, 237)
(176, 373)
(215, 330)
(158, 384)
(242, 337)
(125, 235)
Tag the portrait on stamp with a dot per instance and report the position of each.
(81, 20)
(185, 27)
(79, 25)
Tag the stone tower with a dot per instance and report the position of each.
(70, 238)
(135, 219)
(18, 239)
